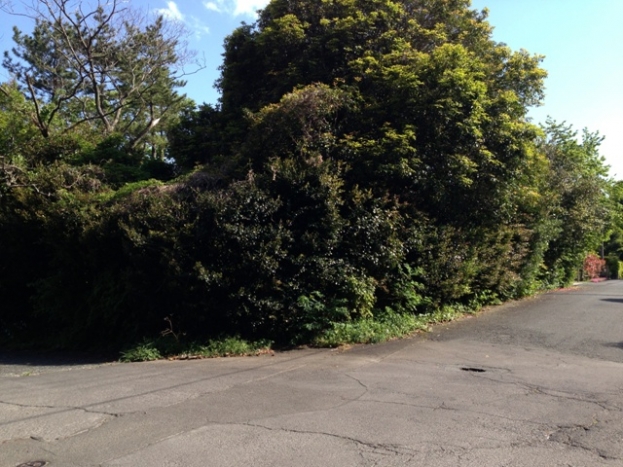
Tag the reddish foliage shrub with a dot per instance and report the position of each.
(594, 266)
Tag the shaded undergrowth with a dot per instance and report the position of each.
(385, 326)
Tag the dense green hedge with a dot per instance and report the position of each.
(368, 159)
(280, 256)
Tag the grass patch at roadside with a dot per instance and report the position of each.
(166, 348)
(384, 326)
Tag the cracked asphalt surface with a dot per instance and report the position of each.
(537, 383)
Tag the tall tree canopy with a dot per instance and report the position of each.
(105, 70)
(438, 109)
(575, 190)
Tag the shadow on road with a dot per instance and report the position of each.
(616, 345)
(57, 358)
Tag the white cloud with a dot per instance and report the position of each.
(236, 7)
(213, 7)
(248, 7)
(171, 12)
(198, 28)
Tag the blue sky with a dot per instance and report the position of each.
(582, 43)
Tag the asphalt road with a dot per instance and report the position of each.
(537, 383)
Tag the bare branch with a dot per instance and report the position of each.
(38, 120)
(95, 63)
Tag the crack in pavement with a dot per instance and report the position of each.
(392, 449)
(571, 435)
(550, 392)
(59, 409)
(527, 444)
(85, 408)
(361, 383)
(367, 447)
(347, 401)
(380, 448)
(568, 396)
(443, 406)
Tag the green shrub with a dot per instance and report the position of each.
(164, 347)
(133, 187)
(614, 266)
(143, 352)
(385, 326)
(227, 347)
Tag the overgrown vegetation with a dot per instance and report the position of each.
(369, 169)
(157, 349)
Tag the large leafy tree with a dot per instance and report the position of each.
(439, 114)
(106, 70)
(198, 137)
(577, 205)
(416, 104)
